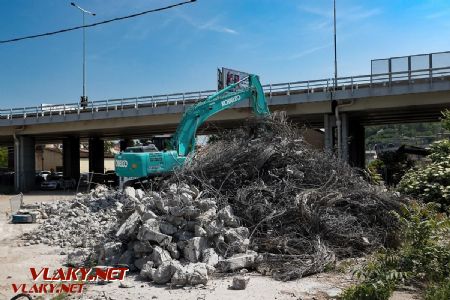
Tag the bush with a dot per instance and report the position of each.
(431, 183)
(439, 291)
(424, 254)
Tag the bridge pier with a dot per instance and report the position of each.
(352, 137)
(357, 144)
(24, 161)
(71, 157)
(329, 125)
(96, 155)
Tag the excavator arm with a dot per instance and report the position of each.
(183, 140)
(131, 167)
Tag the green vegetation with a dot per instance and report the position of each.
(423, 255)
(424, 252)
(3, 157)
(439, 291)
(431, 183)
(419, 134)
(391, 166)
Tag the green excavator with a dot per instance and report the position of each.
(142, 162)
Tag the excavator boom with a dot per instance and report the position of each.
(155, 163)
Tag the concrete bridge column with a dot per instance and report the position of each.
(96, 155)
(71, 157)
(329, 124)
(345, 137)
(24, 160)
(357, 145)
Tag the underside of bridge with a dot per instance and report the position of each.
(317, 115)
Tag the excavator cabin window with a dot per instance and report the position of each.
(141, 149)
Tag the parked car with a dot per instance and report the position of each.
(55, 182)
(43, 174)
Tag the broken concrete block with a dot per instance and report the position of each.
(148, 214)
(165, 271)
(142, 247)
(183, 235)
(186, 198)
(173, 250)
(130, 192)
(139, 194)
(176, 221)
(180, 277)
(199, 231)
(161, 205)
(128, 229)
(140, 262)
(206, 204)
(167, 228)
(147, 270)
(239, 283)
(227, 216)
(194, 248)
(149, 231)
(237, 239)
(197, 274)
(160, 255)
(78, 257)
(213, 228)
(127, 258)
(110, 253)
(210, 257)
(208, 216)
(190, 212)
(238, 261)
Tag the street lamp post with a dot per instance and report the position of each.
(84, 98)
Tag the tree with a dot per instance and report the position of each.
(3, 157)
(431, 183)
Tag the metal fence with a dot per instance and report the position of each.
(400, 71)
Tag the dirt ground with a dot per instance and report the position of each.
(16, 260)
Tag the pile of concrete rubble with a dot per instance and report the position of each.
(258, 197)
(175, 236)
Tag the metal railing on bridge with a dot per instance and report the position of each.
(351, 83)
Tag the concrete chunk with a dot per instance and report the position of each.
(238, 261)
(210, 257)
(160, 256)
(194, 248)
(149, 231)
(128, 228)
(239, 283)
(227, 216)
(165, 271)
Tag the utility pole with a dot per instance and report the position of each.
(335, 46)
(84, 98)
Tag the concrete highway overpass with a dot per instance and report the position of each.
(394, 97)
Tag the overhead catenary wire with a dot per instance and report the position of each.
(98, 23)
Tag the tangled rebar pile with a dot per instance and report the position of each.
(303, 208)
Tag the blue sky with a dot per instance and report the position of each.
(179, 50)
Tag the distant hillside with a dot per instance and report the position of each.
(419, 134)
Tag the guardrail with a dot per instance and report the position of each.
(311, 86)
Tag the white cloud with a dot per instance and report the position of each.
(210, 25)
(307, 52)
(344, 15)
